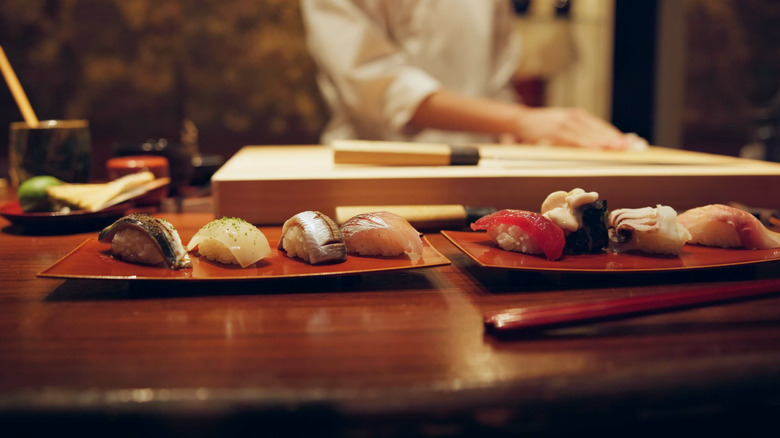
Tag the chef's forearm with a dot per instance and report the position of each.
(447, 110)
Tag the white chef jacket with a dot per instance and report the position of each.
(379, 59)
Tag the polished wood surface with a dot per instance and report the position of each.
(384, 354)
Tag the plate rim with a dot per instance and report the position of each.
(441, 261)
(454, 241)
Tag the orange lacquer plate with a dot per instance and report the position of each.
(481, 249)
(93, 260)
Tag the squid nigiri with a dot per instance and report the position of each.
(651, 230)
(231, 240)
(523, 231)
(313, 237)
(728, 227)
(141, 238)
(381, 233)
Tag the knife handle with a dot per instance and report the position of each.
(421, 216)
(403, 153)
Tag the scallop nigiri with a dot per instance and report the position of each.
(313, 237)
(231, 240)
(382, 233)
(651, 230)
(727, 227)
(141, 238)
(523, 231)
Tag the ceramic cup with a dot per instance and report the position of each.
(60, 148)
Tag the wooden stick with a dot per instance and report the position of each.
(17, 91)
(536, 319)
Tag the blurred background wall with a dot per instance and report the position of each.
(239, 69)
(136, 69)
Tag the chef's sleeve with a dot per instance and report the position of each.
(375, 83)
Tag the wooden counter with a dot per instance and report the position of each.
(268, 184)
(384, 354)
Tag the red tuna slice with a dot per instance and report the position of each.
(543, 231)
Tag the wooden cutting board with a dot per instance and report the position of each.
(267, 184)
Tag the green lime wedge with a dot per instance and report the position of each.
(32, 193)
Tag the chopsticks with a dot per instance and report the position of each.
(535, 320)
(17, 90)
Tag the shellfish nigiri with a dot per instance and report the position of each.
(649, 230)
(523, 231)
(141, 238)
(231, 240)
(313, 237)
(583, 218)
(381, 233)
(728, 227)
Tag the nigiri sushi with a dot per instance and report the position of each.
(313, 237)
(523, 231)
(583, 218)
(381, 233)
(231, 240)
(728, 227)
(648, 230)
(141, 238)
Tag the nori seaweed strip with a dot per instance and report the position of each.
(592, 237)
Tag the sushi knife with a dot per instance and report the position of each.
(534, 321)
(422, 217)
(391, 153)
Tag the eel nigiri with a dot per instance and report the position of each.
(231, 240)
(727, 227)
(313, 237)
(523, 231)
(141, 238)
(583, 218)
(649, 230)
(381, 233)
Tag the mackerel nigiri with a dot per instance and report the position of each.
(523, 231)
(141, 238)
(728, 227)
(382, 233)
(313, 237)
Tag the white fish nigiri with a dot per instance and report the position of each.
(382, 233)
(313, 237)
(727, 227)
(231, 240)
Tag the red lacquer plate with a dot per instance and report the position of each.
(93, 260)
(482, 250)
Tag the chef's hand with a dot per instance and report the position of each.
(568, 127)
(517, 123)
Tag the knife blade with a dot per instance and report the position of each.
(391, 153)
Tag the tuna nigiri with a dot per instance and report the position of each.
(381, 233)
(523, 231)
(728, 227)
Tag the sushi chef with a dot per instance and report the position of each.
(433, 71)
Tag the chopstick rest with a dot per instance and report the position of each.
(534, 320)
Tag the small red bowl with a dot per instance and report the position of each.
(158, 165)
